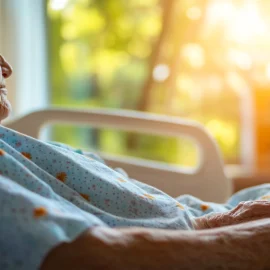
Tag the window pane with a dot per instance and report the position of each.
(172, 150)
(195, 59)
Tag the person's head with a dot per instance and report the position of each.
(5, 72)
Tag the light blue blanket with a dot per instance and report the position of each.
(52, 193)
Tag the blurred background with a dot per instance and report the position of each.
(206, 60)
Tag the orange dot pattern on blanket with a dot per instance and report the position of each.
(148, 196)
(85, 196)
(40, 212)
(179, 205)
(61, 176)
(121, 180)
(27, 155)
(266, 197)
(2, 152)
(204, 207)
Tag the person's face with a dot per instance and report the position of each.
(5, 72)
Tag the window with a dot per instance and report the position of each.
(196, 59)
(23, 34)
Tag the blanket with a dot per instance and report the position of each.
(51, 193)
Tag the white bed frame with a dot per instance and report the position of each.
(207, 181)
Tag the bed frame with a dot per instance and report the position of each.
(207, 181)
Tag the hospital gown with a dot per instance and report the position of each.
(51, 193)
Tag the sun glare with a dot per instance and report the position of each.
(241, 23)
(161, 72)
(58, 4)
(247, 23)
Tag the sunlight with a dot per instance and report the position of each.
(241, 23)
(58, 4)
(222, 131)
(185, 83)
(219, 11)
(193, 53)
(240, 59)
(161, 72)
(194, 13)
(247, 23)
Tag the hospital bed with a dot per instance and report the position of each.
(207, 181)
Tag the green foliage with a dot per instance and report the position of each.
(99, 57)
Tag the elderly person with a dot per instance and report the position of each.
(60, 209)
